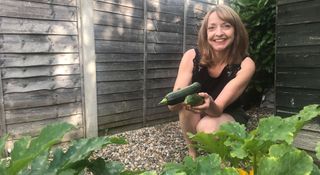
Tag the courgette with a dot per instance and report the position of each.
(194, 100)
(178, 96)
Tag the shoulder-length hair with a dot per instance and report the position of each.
(238, 49)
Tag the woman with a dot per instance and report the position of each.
(222, 66)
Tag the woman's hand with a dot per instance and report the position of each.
(209, 107)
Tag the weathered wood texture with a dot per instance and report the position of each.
(298, 63)
(139, 45)
(40, 66)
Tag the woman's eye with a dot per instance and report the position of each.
(210, 28)
(226, 26)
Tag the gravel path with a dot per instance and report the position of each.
(151, 147)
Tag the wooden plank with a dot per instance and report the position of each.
(159, 121)
(29, 26)
(298, 78)
(307, 140)
(26, 60)
(158, 109)
(118, 97)
(296, 98)
(118, 47)
(284, 2)
(41, 98)
(29, 72)
(118, 34)
(313, 125)
(89, 83)
(126, 3)
(42, 113)
(175, 8)
(160, 83)
(121, 66)
(164, 37)
(3, 129)
(302, 60)
(198, 10)
(164, 56)
(158, 92)
(164, 48)
(119, 107)
(118, 9)
(162, 73)
(120, 123)
(295, 13)
(120, 75)
(111, 131)
(299, 34)
(168, 116)
(38, 43)
(33, 128)
(117, 20)
(40, 83)
(167, 64)
(119, 86)
(33, 10)
(119, 57)
(154, 102)
(312, 49)
(154, 25)
(119, 116)
(164, 17)
(57, 2)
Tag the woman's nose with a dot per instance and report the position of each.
(219, 31)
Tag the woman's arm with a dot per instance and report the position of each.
(184, 75)
(232, 91)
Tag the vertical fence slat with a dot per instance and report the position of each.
(88, 56)
(2, 113)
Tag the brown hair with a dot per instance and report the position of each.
(237, 51)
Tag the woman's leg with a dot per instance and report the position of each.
(188, 123)
(209, 124)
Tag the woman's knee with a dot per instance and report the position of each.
(210, 124)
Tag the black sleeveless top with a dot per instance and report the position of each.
(214, 85)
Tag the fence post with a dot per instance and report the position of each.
(88, 57)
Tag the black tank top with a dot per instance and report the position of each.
(214, 85)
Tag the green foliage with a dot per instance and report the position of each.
(38, 156)
(268, 149)
(259, 16)
(201, 165)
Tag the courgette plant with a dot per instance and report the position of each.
(39, 156)
(266, 150)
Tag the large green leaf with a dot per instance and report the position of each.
(101, 167)
(285, 162)
(78, 152)
(275, 129)
(212, 142)
(305, 115)
(202, 165)
(25, 149)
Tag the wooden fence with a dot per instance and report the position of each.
(298, 63)
(102, 65)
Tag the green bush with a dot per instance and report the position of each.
(259, 16)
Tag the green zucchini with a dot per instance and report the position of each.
(178, 96)
(194, 100)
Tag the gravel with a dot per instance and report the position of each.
(151, 147)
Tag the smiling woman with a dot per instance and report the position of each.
(221, 65)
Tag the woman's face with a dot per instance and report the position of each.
(220, 33)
